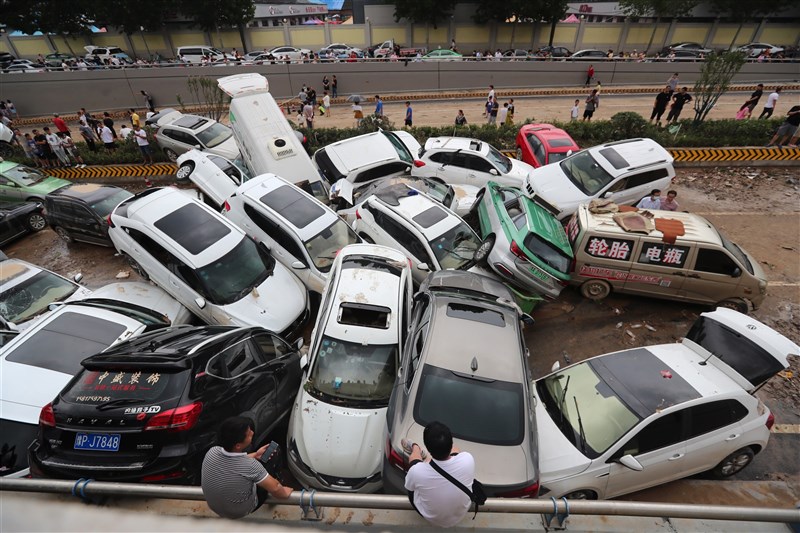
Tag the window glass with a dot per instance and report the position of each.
(643, 178)
(281, 237)
(323, 247)
(239, 359)
(24, 176)
(586, 173)
(364, 315)
(499, 160)
(430, 216)
(402, 235)
(735, 251)
(476, 314)
(455, 248)
(193, 228)
(708, 417)
(548, 253)
(715, 262)
(536, 146)
(663, 254)
(104, 206)
(270, 347)
(440, 157)
(15, 437)
(227, 168)
(231, 277)
(95, 387)
(660, 433)
(614, 157)
(458, 160)
(400, 148)
(478, 164)
(26, 299)
(381, 171)
(293, 205)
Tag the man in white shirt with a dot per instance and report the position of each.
(651, 202)
(772, 101)
(125, 132)
(144, 145)
(434, 497)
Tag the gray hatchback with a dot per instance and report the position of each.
(465, 365)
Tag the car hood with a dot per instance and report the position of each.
(464, 198)
(519, 169)
(336, 440)
(147, 296)
(558, 457)
(226, 149)
(551, 184)
(274, 305)
(19, 400)
(48, 185)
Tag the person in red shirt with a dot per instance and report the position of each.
(61, 126)
(589, 75)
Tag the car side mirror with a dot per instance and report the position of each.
(494, 172)
(298, 344)
(569, 153)
(556, 367)
(527, 319)
(736, 272)
(608, 194)
(200, 302)
(423, 267)
(630, 461)
(198, 147)
(77, 277)
(298, 265)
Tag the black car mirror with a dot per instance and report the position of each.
(736, 272)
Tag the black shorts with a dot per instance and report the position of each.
(408, 122)
(588, 113)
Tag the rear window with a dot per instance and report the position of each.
(365, 315)
(98, 387)
(292, 205)
(476, 411)
(547, 253)
(66, 341)
(326, 167)
(193, 228)
(476, 314)
(558, 143)
(104, 206)
(430, 216)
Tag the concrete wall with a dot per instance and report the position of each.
(66, 92)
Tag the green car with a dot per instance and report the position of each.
(442, 55)
(19, 183)
(523, 242)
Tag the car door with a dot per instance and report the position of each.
(10, 190)
(631, 188)
(179, 141)
(452, 167)
(406, 240)
(660, 449)
(714, 432)
(9, 226)
(281, 369)
(83, 224)
(658, 268)
(712, 276)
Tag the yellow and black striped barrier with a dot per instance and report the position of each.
(114, 171)
(724, 155)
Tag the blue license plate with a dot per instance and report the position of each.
(102, 442)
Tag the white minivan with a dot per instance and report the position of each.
(195, 53)
(268, 143)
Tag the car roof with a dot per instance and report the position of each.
(463, 328)
(464, 144)
(414, 203)
(259, 186)
(697, 228)
(363, 150)
(623, 156)
(365, 286)
(89, 192)
(7, 165)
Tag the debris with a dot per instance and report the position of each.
(651, 328)
(791, 181)
(619, 325)
(636, 326)
(123, 274)
(566, 357)
(630, 334)
(617, 311)
(787, 247)
(786, 374)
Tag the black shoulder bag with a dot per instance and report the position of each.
(476, 495)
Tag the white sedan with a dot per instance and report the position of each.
(295, 54)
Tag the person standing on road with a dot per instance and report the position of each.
(678, 101)
(589, 75)
(149, 102)
(61, 126)
(134, 116)
(509, 121)
(326, 103)
(651, 202)
(502, 114)
(125, 132)
(326, 84)
(772, 101)
(672, 83)
(752, 102)
(55, 145)
(432, 495)
(575, 111)
(495, 107)
(591, 105)
(669, 203)
(144, 145)
(490, 96)
(43, 150)
(660, 105)
(788, 130)
(69, 147)
(29, 146)
(409, 121)
(334, 86)
(88, 136)
(461, 119)
(236, 483)
(308, 114)
(378, 106)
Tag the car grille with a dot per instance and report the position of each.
(294, 330)
(350, 483)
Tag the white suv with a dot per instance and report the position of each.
(177, 133)
(469, 161)
(629, 420)
(207, 263)
(336, 428)
(621, 171)
(430, 235)
(302, 233)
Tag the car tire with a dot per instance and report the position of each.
(6, 150)
(483, 251)
(595, 289)
(519, 153)
(734, 463)
(63, 234)
(184, 171)
(366, 237)
(36, 222)
(737, 304)
(171, 155)
(583, 494)
(136, 267)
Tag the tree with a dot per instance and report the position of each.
(212, 14)
(30, 16)
(658, 9)
(552, 11)
(742, 11)
(131, 17)
(715, 78)
(423, 11)
(522, 10)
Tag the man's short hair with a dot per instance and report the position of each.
(233, 431)
(438, 440)
(654, 191)
(672, 192)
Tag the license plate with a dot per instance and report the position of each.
(539, 274)
(102, 442)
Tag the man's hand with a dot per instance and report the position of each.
(259, 452)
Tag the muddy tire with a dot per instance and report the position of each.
(136, 267)
(483, 251)
(595, 289)
(36, 222)
(734, 463)
(184, 171)
(581, 495)
(737, 304)
(63, 235)
(171, 155)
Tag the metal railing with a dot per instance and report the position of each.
(88, 488)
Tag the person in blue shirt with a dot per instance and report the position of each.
(651, 202)
(378, 106)
(409, 115)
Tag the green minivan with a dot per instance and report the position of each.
(20, 183)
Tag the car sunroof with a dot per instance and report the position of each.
(430, 216)
(192, 227)
(290, 203)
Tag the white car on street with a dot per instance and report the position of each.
(621, 171)
(176, 133)
(295, 54)
(633, 419)
(471, 162)
(336, 427)
(207, 263)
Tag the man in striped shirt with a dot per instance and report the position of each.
(235, 483)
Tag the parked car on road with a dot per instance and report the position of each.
(543, 144)
(102, 53)
(207, 263)
(295, 54)
(173, 390)
(633, 419)
(516, 54)
(17, 219)
(442, 55)
(465, 364)
(20, 183)
(80, 212)
(587, 55)
(335, 438)
(755, 49)
(695, 48)
(176, 133)
(196, 53)
(340, 51)
(55, 60)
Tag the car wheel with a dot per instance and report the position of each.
(734, 463)
(6, 150)
(36, 222)
(737, 304)
(64, 234)
(482, 253)
(136, 267)
(171, 155)
(366, 238)
(184, 171)
(581, 495)
(519, 153)
(595, 289)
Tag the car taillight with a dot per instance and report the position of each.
(161, 477)
(418, 163)
(394, 457)
(47, 417)
(179, 419)
(108, 221)
(358, 215)
(516, 250)
(770, 420)
(226, 205)
(531, 491)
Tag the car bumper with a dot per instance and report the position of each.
(521, 274)
(394, 479)
(295, 329)
(308, 478)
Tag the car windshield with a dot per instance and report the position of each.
(31, 297)
(214, 135)
(455, 248)
(586, 409)
(586, 173)
(349, 373)
(737, 252)
(498, 159)
(24, 176)
(232, 276)
(400, 148)
(555, 157)
(324, 246)
(488, 412)
(548, 253)
(104, 206)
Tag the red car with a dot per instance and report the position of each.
(542, 144)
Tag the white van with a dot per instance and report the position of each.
(268, 143)
(195, 53)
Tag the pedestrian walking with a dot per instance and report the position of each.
(409, 120)
(590, 106)
(60, 125)
(575, 111)
(334, 86)
(678, 101)
(788, 130)
(660, 105)
(378, 106)
(72, 151)
(752, 102)
(140, 134)
(148, 100)
(672, 83)
(589, 75)
(461, 119)
(493, 109)
(55, 145)
(772, 101)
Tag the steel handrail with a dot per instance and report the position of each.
(385, 501)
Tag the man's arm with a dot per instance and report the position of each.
(275, 489)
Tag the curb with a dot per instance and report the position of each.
(114, 171)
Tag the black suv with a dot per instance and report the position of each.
(78, 212)
(148, 409)
(18, 219)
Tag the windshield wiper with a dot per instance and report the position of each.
(580, 427)
(119, 401)
(561, 400)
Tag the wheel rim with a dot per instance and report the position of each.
(63, 234)
(136, 267)
(184, 172)
(172, 156)
(37, 222)
(578, 495)
(596, 289)
(484, 249)
(519, 153)
(735, 464)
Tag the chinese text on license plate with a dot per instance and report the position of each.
(108, 442)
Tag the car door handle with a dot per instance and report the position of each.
(695, 276)
(676, 457)
(678, 273)
(733, 437)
